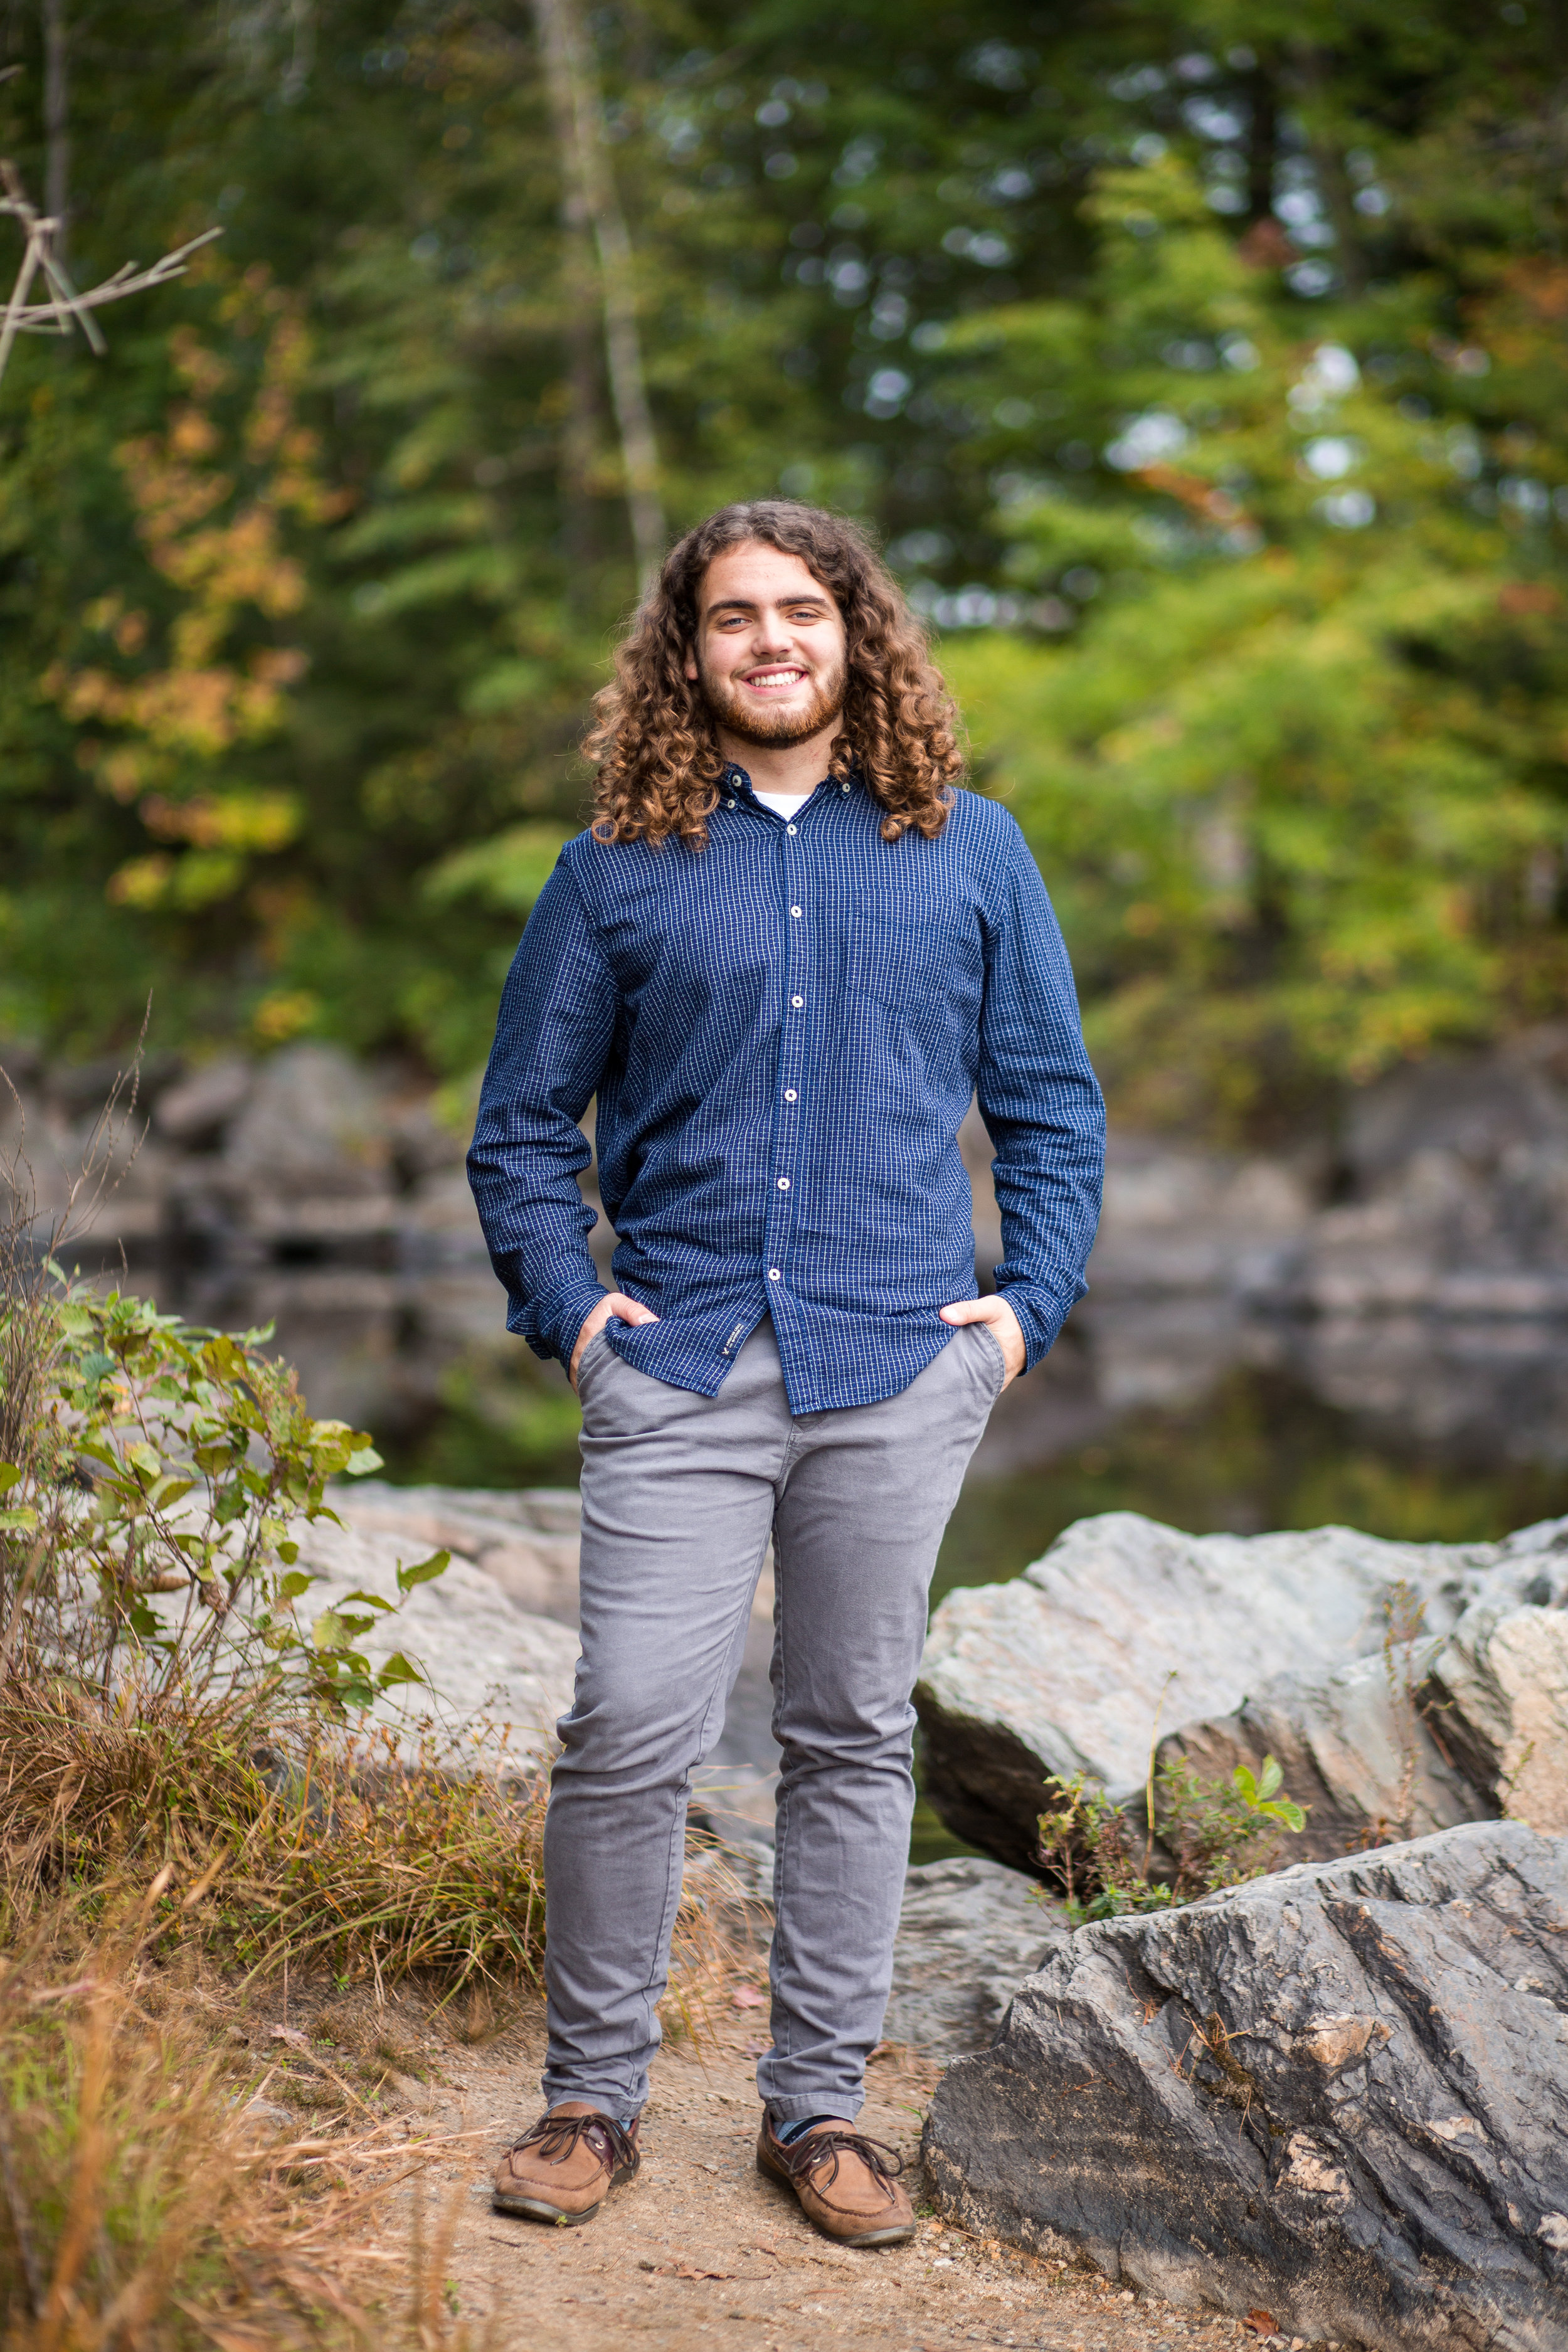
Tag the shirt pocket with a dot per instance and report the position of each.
(920, 956)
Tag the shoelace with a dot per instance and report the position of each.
(555, 2136)
(804, 2155)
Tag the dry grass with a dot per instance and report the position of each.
(141, 2204)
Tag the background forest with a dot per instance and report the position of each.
(1200, 366)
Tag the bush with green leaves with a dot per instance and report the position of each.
(1215, 1834)
(165, 1460)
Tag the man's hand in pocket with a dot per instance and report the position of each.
(1002, 1324)
(630, 1310)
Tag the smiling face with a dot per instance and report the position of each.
(768, 655)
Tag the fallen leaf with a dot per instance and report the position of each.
(747, 1997)
(291, 2035)
(1261, 2323)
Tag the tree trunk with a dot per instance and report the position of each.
(592, 205)
(56, 119)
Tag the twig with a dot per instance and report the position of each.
(41, 233)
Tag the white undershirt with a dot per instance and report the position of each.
(786, 805)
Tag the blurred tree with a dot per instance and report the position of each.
(1201, 367)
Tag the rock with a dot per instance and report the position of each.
(1178, 1219)
(1497, 1696)
(1460, 1173)
(1123, 1620)
(195, 1112)
(1355, 1747)
(486, 1661)
(969, 1933)
(527, 1543)
(314, 1124)
(1339, 2095)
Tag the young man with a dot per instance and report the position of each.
(784, 956)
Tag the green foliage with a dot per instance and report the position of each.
(169, 1460)
(1202, 369)
(1217, 1834)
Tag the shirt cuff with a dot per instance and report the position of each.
(551, 1321)
(1040, 1315)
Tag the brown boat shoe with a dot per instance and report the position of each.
(845, 2184)
(564, 2167)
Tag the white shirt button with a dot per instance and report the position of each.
(774, 1274)
(797, 1000)
(789, 1094)
(844, 788)
(790, 828)
(729, 804)
(784, 1183)
(795, 910)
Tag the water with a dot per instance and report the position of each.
(1182, 1408)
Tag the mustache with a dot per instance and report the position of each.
(777, 730)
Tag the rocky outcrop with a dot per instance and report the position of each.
(969, 1933)
(1124, 1622)
(1248, 1647)
(1458, 1171)
(1339, 2095)
(1354, 1748)
(1496, 1694)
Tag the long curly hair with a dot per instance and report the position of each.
(653, 740)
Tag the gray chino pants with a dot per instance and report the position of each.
(681, 1494)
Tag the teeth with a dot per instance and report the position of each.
(777, 677)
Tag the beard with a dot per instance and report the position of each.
(774, 729)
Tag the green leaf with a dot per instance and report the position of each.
(371, 1601)
(361, 1463)
(290, 1587)
(1285, 1810)
(398, 1669)
(424, 1573)
(164, 1492)
(9, 1475)
(1245, 1785)
(21, 1519)
(1271, 1776)
(288, 1553)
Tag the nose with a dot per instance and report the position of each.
(771, 636)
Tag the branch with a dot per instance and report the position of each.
(40, 255)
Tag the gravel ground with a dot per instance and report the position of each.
(700, 2249)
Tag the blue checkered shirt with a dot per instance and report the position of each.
(783, 1031)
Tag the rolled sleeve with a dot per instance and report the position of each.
(553, 1037)
(1042, 1107)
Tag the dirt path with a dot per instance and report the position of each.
(700, 2249)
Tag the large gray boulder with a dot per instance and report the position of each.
(969, 1932)
(1339, 2095)
(1497, 1695)
(1239, 1646)
(527, 1542)
(1355, 1749)
(1125, 1622)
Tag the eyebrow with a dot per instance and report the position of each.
(750, 604)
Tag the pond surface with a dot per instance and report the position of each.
(1182, 1408)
